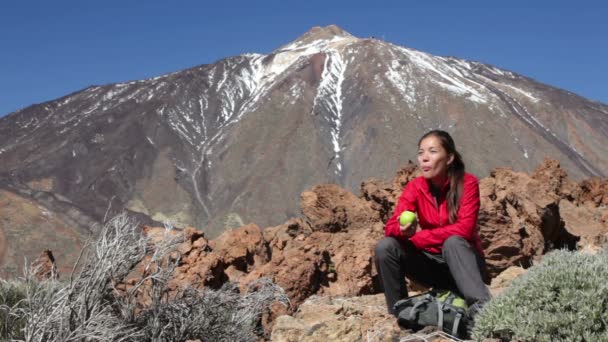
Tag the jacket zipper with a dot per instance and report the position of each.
(436, 204)
(438, 210)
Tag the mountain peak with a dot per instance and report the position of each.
(318, 33)
(327, 32)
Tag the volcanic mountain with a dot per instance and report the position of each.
(223, 144)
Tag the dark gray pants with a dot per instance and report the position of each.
(457, 268)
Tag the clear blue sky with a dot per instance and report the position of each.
(51, 48)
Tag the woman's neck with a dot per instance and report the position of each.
(439, 181)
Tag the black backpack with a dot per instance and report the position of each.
(445, 310)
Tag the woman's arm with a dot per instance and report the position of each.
(465, 224)
(407, 201)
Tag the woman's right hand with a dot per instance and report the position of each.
(409, 229)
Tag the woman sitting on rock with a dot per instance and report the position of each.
(441, 248)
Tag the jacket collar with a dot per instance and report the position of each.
(426, 188)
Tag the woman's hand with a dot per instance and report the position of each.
(409, 229)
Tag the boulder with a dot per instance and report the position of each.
(593, 190)
(504, 279)
(44, 266)
(330, 208)
(519, 220)
(382, 196)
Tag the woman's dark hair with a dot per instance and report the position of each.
(455, 170)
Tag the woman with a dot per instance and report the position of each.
(442, 247)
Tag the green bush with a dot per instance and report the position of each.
(564, 298)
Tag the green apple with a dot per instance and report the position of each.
(406, 217)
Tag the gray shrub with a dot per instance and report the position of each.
(88, 307)
(564, 298)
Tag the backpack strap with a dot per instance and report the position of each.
(450, 298)
(456, 324)
(422, 301)
(440, 315)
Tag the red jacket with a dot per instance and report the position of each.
(435, 222)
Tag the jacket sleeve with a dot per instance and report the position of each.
(466, 221)
(407, 201)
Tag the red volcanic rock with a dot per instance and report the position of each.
(347, 250)
(586, 220)
(330, 208)
(295, 265)
(404, 175)
(519, 220)
(350, 260)
(298, 271)
(205, 263)
(382, 196)
(555, 179)
(44, 266)
(593, 190)
(583, 206)
(242, 247)
(329, 252)
(322, 263)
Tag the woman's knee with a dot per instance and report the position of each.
(455, 241)
(453, 244)
(385, 247)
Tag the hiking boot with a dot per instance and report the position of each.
(472, 312)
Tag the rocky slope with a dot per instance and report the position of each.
(233, 142)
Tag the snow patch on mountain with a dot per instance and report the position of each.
(203, 104)
(316, 45)
(496, 71)
(329, 100)
(402, 82)
(520, 91)
(446, 76)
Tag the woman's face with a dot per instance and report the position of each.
(434, 159)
